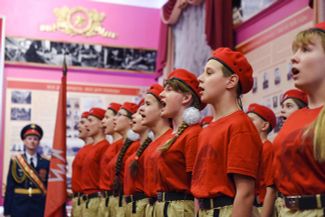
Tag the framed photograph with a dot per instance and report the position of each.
(265, 80)
(20, 114)
(277, 76)
(51, 53)
(289, 73)
(21, 97)
(255, 85)
(275, 101)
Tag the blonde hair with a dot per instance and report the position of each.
(306, 37)
(317, 128)
(169, 143)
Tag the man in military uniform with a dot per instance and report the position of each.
(27, 178)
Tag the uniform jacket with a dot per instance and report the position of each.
(16, 179)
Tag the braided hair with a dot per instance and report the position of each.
(117, 186)
(135, 164)
(180, 130)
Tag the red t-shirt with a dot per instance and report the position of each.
(76, 168)
(265, 170)
(112, 164)
(296, 172)
(175, 164)
(230, 145)
(109, 154)
(150, 164)
(91, 167)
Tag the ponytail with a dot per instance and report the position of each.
(135, 164)
(117, 186)
(316, 132)
(180, 130)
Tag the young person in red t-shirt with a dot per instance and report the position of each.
(229, 152)
(91, 163)
(145, 156)
(292, 101)
(122, 125)
(133, 187)
(110, 152)
(77, 166)
(175, 158)
(299, 168)
(264, 120)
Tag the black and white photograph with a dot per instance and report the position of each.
(289, 73)
(255, 85)
(280, 97)
(277, 76)
(275, 101)
(21, 97)
(20, 114)
(73, 115)
(265, 80)
(20, 50)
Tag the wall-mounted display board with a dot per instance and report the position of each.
(269, 52)
(36, 101)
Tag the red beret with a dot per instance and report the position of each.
(84, 115)
(320, 26)
(237, 63)
(295, 94)
(130, 107)
(206, 120)
(189, 79)
(155, 90)
(31, 129)
(264, 112)
(97, 112)
(114, 106)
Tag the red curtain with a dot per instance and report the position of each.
(162, 48)
(218, 23)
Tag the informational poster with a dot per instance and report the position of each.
(269, 52)
(33, 101)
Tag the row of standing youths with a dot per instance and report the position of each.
(228, 168)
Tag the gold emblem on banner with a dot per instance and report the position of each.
(78, 21)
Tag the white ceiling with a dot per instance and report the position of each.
(139, 3)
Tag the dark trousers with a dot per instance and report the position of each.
(26, 206)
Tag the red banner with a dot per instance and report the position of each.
(56, 190)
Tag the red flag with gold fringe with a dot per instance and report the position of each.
(56, 189)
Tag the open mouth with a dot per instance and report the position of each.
(295, 71)
(201, 90)
(163, 104)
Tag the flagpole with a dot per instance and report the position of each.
(56, 189)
